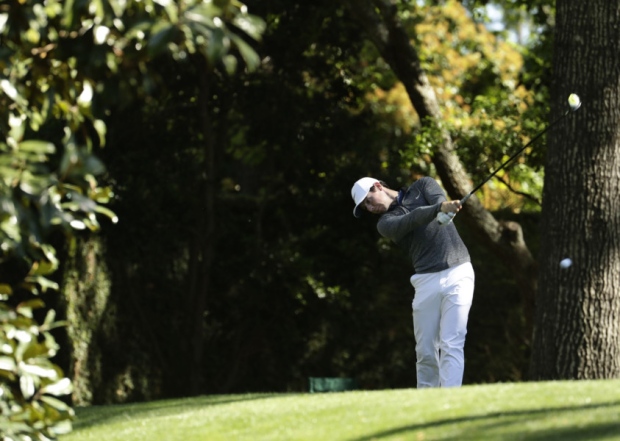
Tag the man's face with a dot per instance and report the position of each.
(377, 201)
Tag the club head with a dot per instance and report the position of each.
(574, 102)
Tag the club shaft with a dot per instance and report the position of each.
(513, 157)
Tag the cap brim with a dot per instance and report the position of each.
(357, 211)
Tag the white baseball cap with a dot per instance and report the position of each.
(359, 192)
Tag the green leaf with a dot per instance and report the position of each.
(38, 370)
(43, 282)
(25, 338)
(248, 54)
(171, 9)
(118, 7)
(9, 89)
(107, 212)
(85, 98)
(7, 364)
(27, 385)
(7, 375)
(91, 223)
(250, 24)
(62, 427)
(44, 267)
(34, 146)
(36, 351)
(56, 404)
(79, 203)
(61, 387)
(138, 31)
(25, 308)
(204, 13)
(67, 15)
(71, 206)
(163, 35)
(230, 63)
(101, 130)
(217, 45)
(33, 184)
(69, 159)
(93, 165)
(50, 253)
(18, 127)
(49, 318)
(4, 18)
(102, 195)
(77, 224)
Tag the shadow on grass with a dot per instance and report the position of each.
(577, 432)
(97, 415)
(603, 430)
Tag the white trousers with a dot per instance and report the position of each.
(440, 311)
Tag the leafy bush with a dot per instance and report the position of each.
(36, 202)
(61, 64)
(29, 381)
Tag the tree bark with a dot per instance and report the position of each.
(578, 311)
(505, 239)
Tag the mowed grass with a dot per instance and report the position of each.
(580, 410)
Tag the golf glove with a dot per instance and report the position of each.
(445, 218)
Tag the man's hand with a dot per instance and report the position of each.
(450, 206)
(448, 211)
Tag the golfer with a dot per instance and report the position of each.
(443, 277)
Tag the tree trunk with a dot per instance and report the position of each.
(578, 311)
(203, 248)
(85, 300)
(382, 25)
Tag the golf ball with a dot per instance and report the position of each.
(565, 263)
(573, 100)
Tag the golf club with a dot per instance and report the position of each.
(573, 102)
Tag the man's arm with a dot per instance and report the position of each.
(395, 225)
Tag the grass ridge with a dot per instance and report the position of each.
(566, 410)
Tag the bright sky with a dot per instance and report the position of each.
(496, 16)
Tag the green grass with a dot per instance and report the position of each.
(584, 411)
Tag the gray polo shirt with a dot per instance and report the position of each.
(411, 223)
